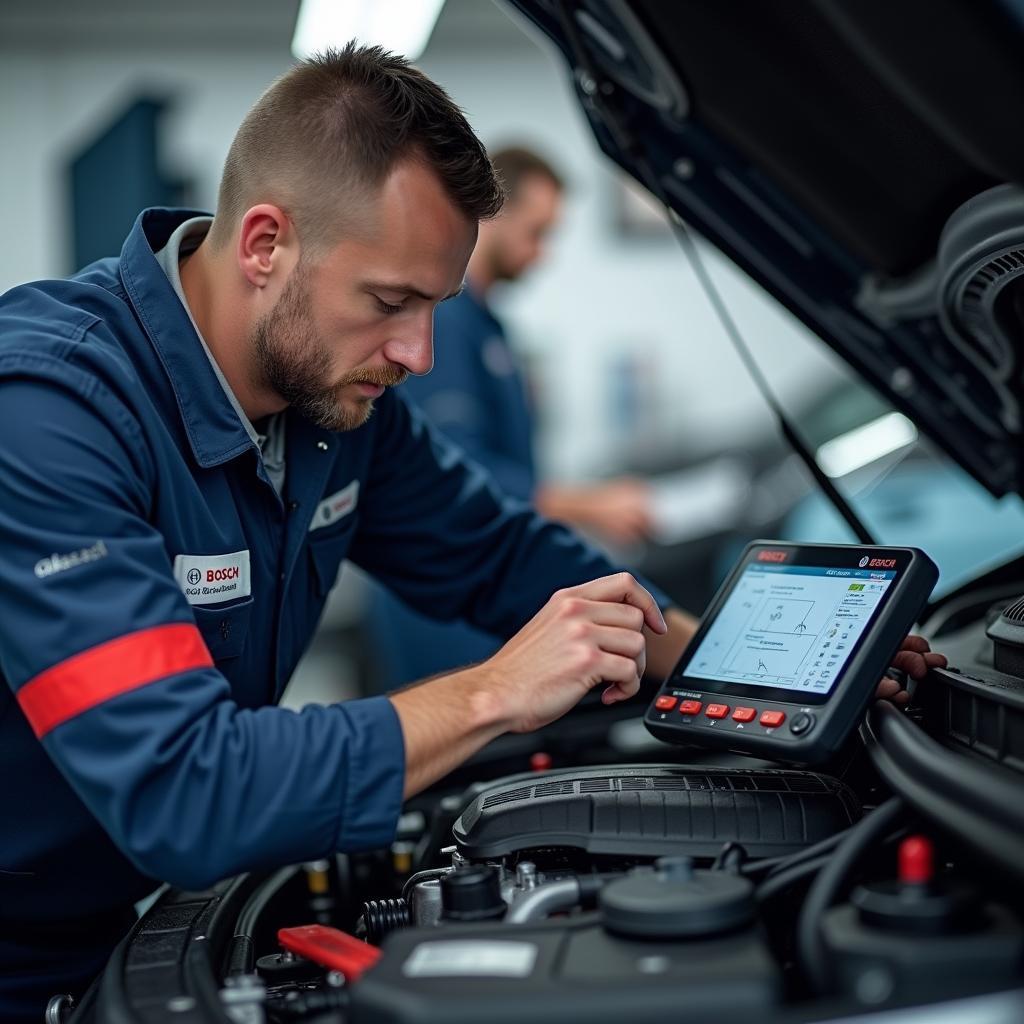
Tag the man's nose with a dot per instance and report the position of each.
(414, 350)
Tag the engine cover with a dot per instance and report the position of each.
(564, 970)
(655, 810)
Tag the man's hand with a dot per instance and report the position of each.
(915, 657)
(585, 636)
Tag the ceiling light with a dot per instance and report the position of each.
(401, 26)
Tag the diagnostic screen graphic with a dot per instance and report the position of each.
(791, 627)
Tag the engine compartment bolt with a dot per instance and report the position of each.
(526, 874)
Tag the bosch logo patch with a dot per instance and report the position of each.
(215, 575)
(882, 563)
(864, 561)
(210, 579)
(771, 556)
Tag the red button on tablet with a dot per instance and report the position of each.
(690, 707)
(665, 703)
(717, 710)
(744, 714)
(772, 718)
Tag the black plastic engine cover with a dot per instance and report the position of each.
(564, 970)
(654, 810)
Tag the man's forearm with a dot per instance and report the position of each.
(664, 651)
(444, 721)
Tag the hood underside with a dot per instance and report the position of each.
(861, 159)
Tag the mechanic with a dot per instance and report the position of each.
(187, 455)
(477, 395)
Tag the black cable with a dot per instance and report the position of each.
(773, 864)
(784, 876)
(423, 876)
(776, 883)
(627, 142)
(827, 886)
(241, 953)
(977, 803)
(731, 857)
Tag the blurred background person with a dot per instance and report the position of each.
(478, 394)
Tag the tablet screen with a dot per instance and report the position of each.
(790, 627)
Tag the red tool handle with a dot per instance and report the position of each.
(330, 948)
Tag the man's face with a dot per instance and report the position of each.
(516, 238)
(360, 318)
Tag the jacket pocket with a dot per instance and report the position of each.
(224, 629)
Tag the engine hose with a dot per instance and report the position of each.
(791, 876)
(423, 876)
(827, 886)
(731, 857)
(772, 865)
(544, 900)
(382, 917)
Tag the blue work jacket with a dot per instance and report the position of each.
(156, 593)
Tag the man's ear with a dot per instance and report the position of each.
(267, 245)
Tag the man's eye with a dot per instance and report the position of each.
(387, 307)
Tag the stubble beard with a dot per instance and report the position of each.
(292, 360)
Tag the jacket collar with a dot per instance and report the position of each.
(214, 430)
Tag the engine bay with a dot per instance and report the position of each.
(671, 889)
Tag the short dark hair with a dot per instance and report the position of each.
(515, 164)
(333, 127)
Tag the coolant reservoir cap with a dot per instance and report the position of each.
(675, 901)
(472, 893)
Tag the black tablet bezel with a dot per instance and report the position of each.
(826, 556)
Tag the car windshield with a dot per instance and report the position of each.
(906, 490)
(903, 487)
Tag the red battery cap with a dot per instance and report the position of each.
(330, 948)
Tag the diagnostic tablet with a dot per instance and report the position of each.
(792, 648)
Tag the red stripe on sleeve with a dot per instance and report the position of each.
(110, 669)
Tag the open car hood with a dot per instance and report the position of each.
(860, 159)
